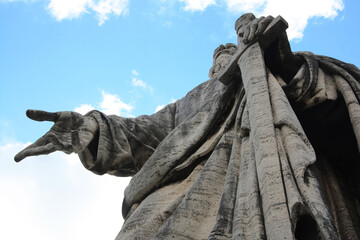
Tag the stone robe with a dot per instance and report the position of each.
(196, 174)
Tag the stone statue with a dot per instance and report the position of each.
(271, 154)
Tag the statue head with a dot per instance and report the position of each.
(242, 21)
(221, 57)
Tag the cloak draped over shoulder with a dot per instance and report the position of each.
(196, 174)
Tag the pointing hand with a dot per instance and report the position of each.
(71, 132)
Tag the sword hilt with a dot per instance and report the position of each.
(270, 34)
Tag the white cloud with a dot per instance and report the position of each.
(104, 8)
(26, 1)
(72, 159)
(140, 83)
(167, 24)
(111, 104)
(245, 5)
(18, 208)
(296, 12)
(134, 72)
(18, 197)
(84, 108)
(44, 194)
(102, 211)
(69, 9)
(158, 108)
(197, 5)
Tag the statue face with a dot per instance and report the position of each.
(221, 61)
(221, 57)
(241, 29)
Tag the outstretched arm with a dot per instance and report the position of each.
(105, 144)
(122, 145)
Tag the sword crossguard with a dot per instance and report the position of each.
(271, 33)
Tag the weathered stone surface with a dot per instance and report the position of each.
(272, 155)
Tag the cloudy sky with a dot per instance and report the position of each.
(122, 57)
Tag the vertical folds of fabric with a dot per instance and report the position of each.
(263, 141)
(202, 200)
(186, 138)
(223, 228)
(349, 87)
(303, 189)
(248, 216)
(349, 72)
(276, 189)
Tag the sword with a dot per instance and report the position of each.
(273, 31)
(249, 60)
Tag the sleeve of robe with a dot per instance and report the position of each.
(122, 145)
(324, 85)
(325, 96)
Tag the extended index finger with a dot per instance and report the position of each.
(39, 115)
(22, 154)
(34, 151)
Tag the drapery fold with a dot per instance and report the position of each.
(204, 176)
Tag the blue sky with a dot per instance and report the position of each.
(123, 57)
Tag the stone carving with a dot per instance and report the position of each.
(254, 159)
